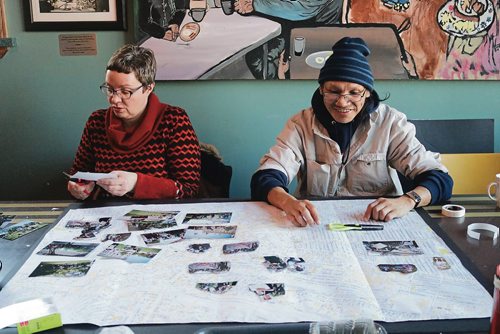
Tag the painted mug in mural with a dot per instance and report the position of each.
(496, 195)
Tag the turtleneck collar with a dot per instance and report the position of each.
(126, 140)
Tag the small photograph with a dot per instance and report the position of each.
(163, 238)
(62, 269)
(405, 268)
(274, 263)
(240, 247)
(6, 220)
(17, 230)
(392, 247)
(116, 237)
(209, 267)
(131, 254)
(210, 232)
(208, 218)
(441, 263)
(198, 248)
(217, 288)
(139, 220)
(90, 227)
(295, 264)
(65, 248)
(267, 291)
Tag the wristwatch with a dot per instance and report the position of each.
(415, 197)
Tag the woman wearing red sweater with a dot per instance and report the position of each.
(150, 146)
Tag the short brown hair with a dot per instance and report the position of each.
(134, 59)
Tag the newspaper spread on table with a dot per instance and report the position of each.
(340, 278)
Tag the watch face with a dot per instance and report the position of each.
(414, 196)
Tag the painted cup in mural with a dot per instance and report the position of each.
(471, 7)
(227, 6)
(197, 9)
(299, 43)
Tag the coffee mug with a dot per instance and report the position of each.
(496, 185)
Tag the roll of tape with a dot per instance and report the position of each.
(453, 210)
(481, 226)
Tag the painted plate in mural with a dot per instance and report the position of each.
(189, 31)
(318, 59)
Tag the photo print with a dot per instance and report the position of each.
(68, 248)
(140, 220)
(275, 263)
(90, 227)
(240, 247)
(17, 230)
(209, 267)
(208, 218)
(267, 291)
(62, 269)
(198, 248)
(129, 253)
(210, 232)
(392, 247)
(405, 268)
(6, 220)
(217, 288)
(163, 238)
(116, 237)
(440, 263)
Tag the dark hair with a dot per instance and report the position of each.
(134, 59)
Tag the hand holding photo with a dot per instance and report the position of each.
(88, 176)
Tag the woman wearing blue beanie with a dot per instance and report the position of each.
(349, 144)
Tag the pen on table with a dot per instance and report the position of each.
(356, 227)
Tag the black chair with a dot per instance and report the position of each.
(215, 175)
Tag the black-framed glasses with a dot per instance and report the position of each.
(350, 97)
(123, 94)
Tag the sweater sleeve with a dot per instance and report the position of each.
(84, 159)
(264, 180)
(183, 163)
(439, 183)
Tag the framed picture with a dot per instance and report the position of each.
(74, 15)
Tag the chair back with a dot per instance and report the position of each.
(215, 175)
(472, 172)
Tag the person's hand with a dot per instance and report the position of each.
(243, 6)
(172, 33)
(299, 212)
(80, 190)
(119, 186)
(386, 209)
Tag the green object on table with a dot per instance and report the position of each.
(358, 227)
(40, 324)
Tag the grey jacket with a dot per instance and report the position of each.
(379, 147)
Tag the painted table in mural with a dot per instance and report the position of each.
(315, 46)
(222, 41)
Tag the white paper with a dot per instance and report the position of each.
(341, 280)
(88, 176)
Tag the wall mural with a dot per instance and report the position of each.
(291, 39)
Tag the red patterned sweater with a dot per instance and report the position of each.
(167, 161)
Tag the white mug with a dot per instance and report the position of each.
(496, 194)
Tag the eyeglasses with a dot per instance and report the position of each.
(351, 97)
(123, 94)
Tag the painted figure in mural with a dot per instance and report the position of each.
(289, 13)
(450, 39)
(149, 146)
(348, 143)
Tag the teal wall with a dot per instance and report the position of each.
(45, 100)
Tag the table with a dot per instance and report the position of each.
(481, 253)
(223, 41)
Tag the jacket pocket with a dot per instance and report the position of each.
(318, 178)
(369, 175)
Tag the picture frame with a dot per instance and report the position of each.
(74, 15)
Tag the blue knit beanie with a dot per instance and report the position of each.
(348, 63)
